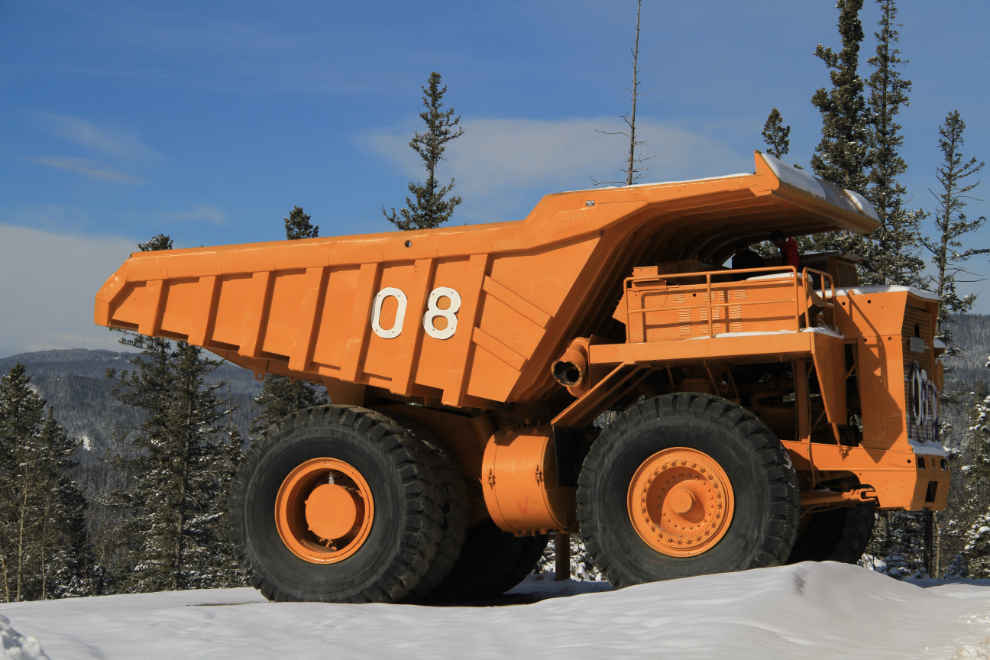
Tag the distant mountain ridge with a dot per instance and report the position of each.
(74, 383)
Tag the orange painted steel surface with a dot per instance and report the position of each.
(324, 511)
(661, 307)
(520, 483)
(472, 318)
(887, 332)
(380, 310)
(680, 502)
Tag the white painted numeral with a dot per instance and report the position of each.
(432, 311)
(400, 314)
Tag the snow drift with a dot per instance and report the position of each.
(803, 611)
(15, 646)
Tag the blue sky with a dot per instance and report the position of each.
(210, 121)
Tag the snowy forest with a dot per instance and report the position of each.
(148, 511)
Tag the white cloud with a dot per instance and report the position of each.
(496, 161)
(48, 283)
(87, 168)
(205, 213)
(110, 140)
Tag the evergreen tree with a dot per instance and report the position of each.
(430, 208)
(973, 512)
(43, 549)
(21, 484)
(173, 533)
(160, 242)
(951, 226)
(174, 530)
(204, 554)
(298, 225)
(892, 256)
(633, 169)
(66, 556)
(281, 396)
(776, 135)
(842, 156)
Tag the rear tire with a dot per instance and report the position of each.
(531, 550)
(405, 526)
(835, 535)
(453, 528)
(491, 563)
(762, 491)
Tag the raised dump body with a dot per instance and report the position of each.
(754, 416)
(376, 310)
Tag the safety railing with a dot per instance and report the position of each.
(802, 290)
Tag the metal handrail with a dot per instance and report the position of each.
(804, 277)
(828, 305)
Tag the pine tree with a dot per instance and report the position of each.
(66, 556)
(951, 226)
(160, 242)
(430, 208)
(973, 512)
(179, 462)
(632, 170)
(298, 225)
(776, 135)
(892, 256)
(43, 548)
(281, 396)
(173, 533)
(21, 483)
(204, 554)
(842, 156)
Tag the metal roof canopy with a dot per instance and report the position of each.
(573, 249)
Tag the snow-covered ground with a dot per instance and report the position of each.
(815, 611)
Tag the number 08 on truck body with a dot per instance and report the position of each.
(591, 368)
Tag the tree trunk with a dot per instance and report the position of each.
(41, 552)
(20, 540)
(630, 174)
(180, 524)
(928, 527)
(6, 580)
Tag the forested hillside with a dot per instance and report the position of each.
(965, 374)
(74, 384)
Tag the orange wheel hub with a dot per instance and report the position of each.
(324, 511)
(680, 502)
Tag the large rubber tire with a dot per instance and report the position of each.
(835, 535)
(765, 488)
(453, 528)
(531, 550)
(407, 515)
(491, 563)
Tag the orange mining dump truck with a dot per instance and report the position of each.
(754, 417)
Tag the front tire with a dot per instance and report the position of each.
(295, 545)
(686, 484)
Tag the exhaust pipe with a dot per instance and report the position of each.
(571, 368)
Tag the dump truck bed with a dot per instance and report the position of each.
(470, 316)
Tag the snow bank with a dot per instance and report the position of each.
(15, 646)
(808, 611)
